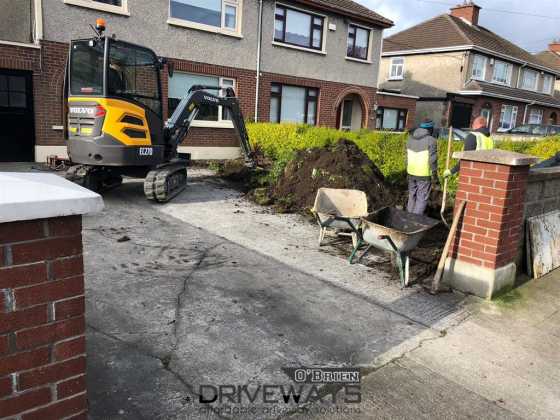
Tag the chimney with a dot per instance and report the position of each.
(468, 11)
(554, 46)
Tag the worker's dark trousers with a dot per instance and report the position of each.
(418, 195)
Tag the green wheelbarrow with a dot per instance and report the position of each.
(396, 231)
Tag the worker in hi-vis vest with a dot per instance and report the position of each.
(421, 166)
(478, 139)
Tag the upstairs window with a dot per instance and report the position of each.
(358, 42)
(397, 69)
(298, 28)
(215, 15)
(112, 6)
(529, 80)
(479, 67)
(502, 73)
(548, 83)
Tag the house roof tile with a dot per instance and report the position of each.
(350, 8)
(551, 58)
(526, 96)
(446, 31)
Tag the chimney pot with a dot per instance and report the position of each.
(554, 46)
(468, 11)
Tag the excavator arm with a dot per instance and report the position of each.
(178, 125)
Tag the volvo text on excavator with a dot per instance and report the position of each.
(114, 120)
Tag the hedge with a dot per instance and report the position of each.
(279, 142)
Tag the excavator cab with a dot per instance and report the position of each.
(114, 104)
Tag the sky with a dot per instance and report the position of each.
(515, 20)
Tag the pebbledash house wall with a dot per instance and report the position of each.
(203, 53)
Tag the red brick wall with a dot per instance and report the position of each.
(331, 95)
(490, 231)
(48, 65)
(42, 325)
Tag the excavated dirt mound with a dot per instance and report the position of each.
(342, 166)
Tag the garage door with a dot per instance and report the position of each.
(17, 133)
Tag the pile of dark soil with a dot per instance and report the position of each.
(342, 166)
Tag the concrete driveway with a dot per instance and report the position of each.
(210, 289)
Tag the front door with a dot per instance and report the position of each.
(17, 134)
(461, 115)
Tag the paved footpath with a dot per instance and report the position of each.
(211, 289)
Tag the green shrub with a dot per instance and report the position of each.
(280, 142)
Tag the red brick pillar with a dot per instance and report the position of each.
(482, 257)
(42, 324)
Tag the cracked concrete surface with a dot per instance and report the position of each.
(210, 289)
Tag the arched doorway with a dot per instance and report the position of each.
(553, 120)
(350, 113)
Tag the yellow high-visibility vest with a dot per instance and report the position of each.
(418, 163)
(483, 142)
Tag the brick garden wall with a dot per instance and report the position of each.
(492, 225)
(42, 325)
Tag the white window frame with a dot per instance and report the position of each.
(322, 51)
(484, 65)
(509, 73)
(535, 85)
(536, 112)
(238, 4)
(513, 119)
(552, 82)
(221, 123)
(368, 60)
(396, 77)
(92, 4)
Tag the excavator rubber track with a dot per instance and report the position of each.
(93, 178)
(164, 183)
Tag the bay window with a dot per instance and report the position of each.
(293, 104)
(212, 15)
(502, 73)
(208, 115)
(397, 69)
(295, 27)
(548, 83)
(529, 80)
(536, 116)
(391, 119)
(508, 117)
(479, 67)
(358, 42)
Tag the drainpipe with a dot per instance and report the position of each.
(259, 42)
(38, 15)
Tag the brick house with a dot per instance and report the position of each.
(313, 61)
(552, 58)
(460, 70)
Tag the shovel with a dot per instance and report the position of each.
(446, 181)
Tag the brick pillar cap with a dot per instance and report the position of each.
(499, 157)
(28, 196)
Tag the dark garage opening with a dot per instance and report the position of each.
(461, 115)
(17, 134)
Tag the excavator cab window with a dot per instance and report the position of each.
(86, 68)
(133, 73)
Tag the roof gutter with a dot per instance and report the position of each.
(344, 12)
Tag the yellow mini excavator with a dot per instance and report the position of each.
(114, 117)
